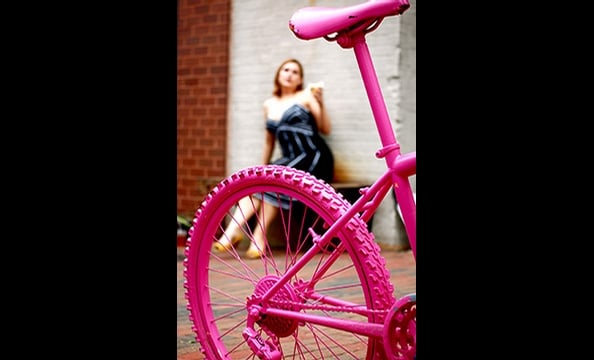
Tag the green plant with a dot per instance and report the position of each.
(183, 222)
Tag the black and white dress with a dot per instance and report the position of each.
(301, 144)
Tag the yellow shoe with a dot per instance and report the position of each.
(225, 244)
(254, 253)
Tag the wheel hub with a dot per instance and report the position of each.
(284, 299)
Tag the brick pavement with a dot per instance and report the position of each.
(402, 273)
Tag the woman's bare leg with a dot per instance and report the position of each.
(245, 209)
(266, 215)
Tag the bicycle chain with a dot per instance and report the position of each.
(344, 309)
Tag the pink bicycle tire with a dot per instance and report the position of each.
(216, 285)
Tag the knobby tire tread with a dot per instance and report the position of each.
(360, 243)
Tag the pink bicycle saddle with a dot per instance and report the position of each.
(316, 21)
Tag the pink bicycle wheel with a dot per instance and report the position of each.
(346, 281)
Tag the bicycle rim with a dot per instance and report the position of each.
(218, 284)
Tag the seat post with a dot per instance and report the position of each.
(376, 99)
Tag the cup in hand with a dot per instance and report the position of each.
(315, 85)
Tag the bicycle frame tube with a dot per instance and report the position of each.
(365, 207)
(391, 148)
(352, 326)
(348, 26)
(402, 167)
(368, 202)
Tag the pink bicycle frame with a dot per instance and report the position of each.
(350, 26)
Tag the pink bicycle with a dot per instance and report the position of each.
(320, 288)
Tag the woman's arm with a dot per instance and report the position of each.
(319, 111)
(269, 139)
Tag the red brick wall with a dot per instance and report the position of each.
(202, 74)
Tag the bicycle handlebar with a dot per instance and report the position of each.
(316, 21)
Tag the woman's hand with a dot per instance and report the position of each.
(319, 110)
(317, 90)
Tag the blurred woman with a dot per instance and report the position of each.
(295, 117)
